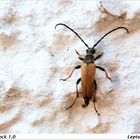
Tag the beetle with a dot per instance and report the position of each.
(88, 70)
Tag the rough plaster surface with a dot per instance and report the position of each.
(34, 56)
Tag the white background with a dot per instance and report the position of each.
(34, 56)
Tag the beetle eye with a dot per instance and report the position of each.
(87, 51)
(93, 51)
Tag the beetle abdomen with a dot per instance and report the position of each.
(87, 79)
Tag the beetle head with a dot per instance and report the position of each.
(90, 51)
(89, 58)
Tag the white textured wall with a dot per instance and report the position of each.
(34, 56)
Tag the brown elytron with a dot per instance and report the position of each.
(88, 69)
(87, 79)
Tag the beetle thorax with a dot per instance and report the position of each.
(89, 58)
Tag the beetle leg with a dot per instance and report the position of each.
(82, 59)
(96, 109)
(79, 56)
(105, 72)
(94, 97)
(78, 81)
(77, 67)
(95, 88)
(98, 56)
(77, 53)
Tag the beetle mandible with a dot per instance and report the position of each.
(88, 69)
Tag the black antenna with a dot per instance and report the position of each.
(110, 32)
(72, 31)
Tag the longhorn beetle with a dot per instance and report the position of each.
(88, 69)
